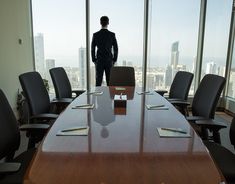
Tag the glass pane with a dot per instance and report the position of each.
(231, 87)
(59, 39)
(217, 25)
(173, 38)
(126, 21)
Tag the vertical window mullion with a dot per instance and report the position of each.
(201, 34)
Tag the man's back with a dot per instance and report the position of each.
(104, 51)
(104, 40)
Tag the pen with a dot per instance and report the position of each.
(95, 92)
(73, 129)
(174, 130)
(85, 105)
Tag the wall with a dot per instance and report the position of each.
(15, 58)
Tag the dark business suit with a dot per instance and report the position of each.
(106, 54)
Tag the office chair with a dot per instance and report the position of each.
(179, 89)
(61, 84)
(122, 76)
(38, 99)
(13, 168)
(204, 106)
(180, 86)
(224, 158)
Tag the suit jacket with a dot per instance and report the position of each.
(104, 40)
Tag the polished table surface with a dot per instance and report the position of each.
(123, 146)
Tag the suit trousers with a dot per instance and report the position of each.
(101, 67)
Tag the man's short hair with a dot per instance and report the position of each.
(104, 21)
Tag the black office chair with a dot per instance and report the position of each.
(37, 96)
(12, 169)
(224, 158)
(179, 89)
(122, 76)
(204, 106)
(180, 86)
(61, 84)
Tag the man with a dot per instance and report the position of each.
(107, 51)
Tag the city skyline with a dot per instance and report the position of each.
(156, 77)
(64, 29)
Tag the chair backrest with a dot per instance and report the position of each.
(181, 85)
(122, 76)
(9, 131)
(35, 92)
(207, 96)
(61, 83)
(232, 132)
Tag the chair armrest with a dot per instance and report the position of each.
(175, 99)
(31, 127)
(46, 116)
(182, 104)
(61, 101)
(78, 92)
(9, 167)
(161, 92)
(211, 124)
(195, 118)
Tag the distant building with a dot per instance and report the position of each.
(124, 63)
(211, 68)
(181, 67)
(129, 63)
(82, 67)
(39, 54)
(168, 76)
(159, 79)
(92, 75)
(50, 63)
(174, 54)
(150, 81)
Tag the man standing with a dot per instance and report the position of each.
(107, 51)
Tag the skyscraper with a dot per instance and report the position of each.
(82, 67)
(39, 54)
(211, 68)
(174, 54)
(168, 76)
(50, 63)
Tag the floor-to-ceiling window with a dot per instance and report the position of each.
(173, 34)
(59, 39)
(218, 16)
(126, 19)
(59, 29)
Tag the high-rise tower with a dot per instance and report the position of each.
(39, 54)
(174, 54)
(82, 67)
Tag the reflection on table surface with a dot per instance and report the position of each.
(124, 141)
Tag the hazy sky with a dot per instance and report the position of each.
(63, 24)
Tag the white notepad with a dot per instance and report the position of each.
(157, 107)
(74, 131)
(172, 132)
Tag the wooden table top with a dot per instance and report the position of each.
(123, 146)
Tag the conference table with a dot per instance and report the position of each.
(123, 145)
